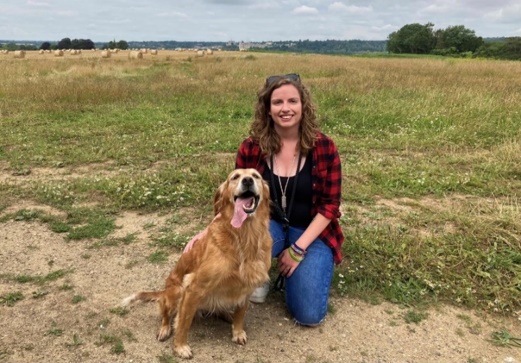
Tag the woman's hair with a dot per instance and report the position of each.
(262, 129)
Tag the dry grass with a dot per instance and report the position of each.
(430, 147)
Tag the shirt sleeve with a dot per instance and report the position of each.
(242, 156)
(249, 156)
(329, 205)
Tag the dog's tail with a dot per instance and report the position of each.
(143, 296)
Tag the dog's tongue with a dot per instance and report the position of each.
(239, 215)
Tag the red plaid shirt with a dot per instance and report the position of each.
(326, 177)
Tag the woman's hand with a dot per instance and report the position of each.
(194, 239)
(287, 265)
(199, 235)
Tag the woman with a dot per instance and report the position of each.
(284, 138)
(302, 167)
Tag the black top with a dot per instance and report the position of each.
(300, 213)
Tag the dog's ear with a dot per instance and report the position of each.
(218, 198)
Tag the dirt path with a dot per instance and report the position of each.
(71, 319)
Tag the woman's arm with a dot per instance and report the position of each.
(287, 264)
(328, 208)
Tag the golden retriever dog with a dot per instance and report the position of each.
(223, 268)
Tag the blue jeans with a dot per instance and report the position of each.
(307, 290)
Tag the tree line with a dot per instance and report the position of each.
(456, 41)
(453, 41)
(324, 46)
(66, 43)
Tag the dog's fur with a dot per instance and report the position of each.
(224, 267)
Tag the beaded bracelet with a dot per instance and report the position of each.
(298, 250)
(293, 256)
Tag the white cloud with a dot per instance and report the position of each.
(494, 15)
(386, 27)
(229, 2)
(266, 5)
(67, 13)
(351, 9)
(37, 3)
(506, 15)
(173, 14)
(255, 20)
(305, 10)
(436, 8)
(117, 21)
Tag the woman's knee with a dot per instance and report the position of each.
(307, 300)
(307, 290)
(309, 317)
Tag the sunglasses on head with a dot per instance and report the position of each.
(291, 76)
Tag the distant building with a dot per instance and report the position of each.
(244, 46)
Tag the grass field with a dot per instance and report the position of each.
(430, 148)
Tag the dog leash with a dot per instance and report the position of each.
(279, 283)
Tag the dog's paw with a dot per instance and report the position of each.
(164, 332)
(239, 337)
(183, 351)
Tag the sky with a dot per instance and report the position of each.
(247, 20)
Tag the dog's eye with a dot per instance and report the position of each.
(256, 176)
(236, 176)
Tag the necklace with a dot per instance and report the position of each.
(283, 190)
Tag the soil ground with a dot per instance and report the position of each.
(72, 319)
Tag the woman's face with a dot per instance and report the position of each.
(286, 108)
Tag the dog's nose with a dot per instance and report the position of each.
(247, 182)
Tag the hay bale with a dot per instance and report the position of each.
(153, 52)
(209, 51)
(135, 54)
(58, 53)
(200, 53)
(19, 53)
(106, 53)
